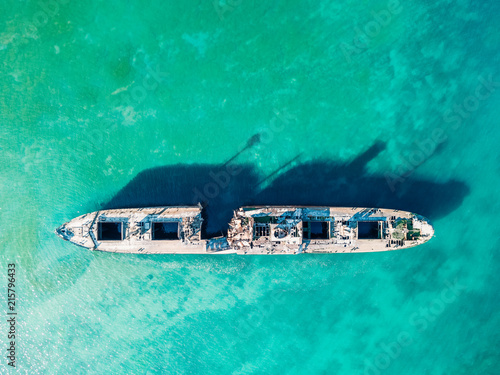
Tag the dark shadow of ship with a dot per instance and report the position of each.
(224, 188)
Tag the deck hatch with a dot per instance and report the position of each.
(165, 230)
(316, 230)
(368, 230)
(110, 231)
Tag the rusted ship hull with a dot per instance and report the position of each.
(154, 230)
(252, 230)
(294, 230)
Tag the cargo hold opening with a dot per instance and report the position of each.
(368, 230)
(110, 231)
(316, 230)
(166, 230)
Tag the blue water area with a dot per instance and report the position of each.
(228, 103)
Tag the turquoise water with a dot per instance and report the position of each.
(121, 103)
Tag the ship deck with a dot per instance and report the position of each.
(295, 230)
(255, 230)
(177, 230)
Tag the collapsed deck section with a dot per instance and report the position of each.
(142, 230)
(283, 230)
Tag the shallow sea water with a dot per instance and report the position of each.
(135, 103)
